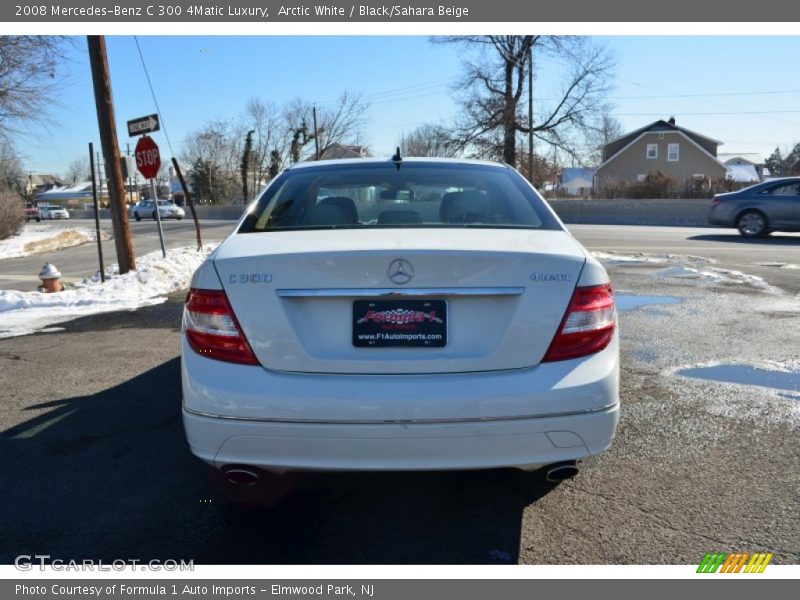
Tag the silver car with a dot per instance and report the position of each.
(167, 210)
(53, 212)
(759, 209)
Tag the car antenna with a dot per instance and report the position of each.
(397, 159)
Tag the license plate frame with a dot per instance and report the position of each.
(400, 323)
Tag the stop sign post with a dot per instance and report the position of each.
(148, 161)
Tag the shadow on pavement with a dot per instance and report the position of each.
(110, 476)
(735, 238)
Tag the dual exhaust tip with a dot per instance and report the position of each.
(242, 476)
(561, 471)
(247, 476)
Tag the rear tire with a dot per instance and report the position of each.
(137, 216)
(154, 216)
(752, 224)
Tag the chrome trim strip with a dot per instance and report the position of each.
(406, 421)
(377, 292)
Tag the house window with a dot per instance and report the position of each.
(641, 177)
(699, 176)
(652, 150)
(672, 152)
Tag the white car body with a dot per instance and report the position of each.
(54, 212)
(311, 399)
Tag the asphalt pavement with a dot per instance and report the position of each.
(95, 462)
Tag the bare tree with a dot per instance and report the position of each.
(12, 177)
(28, 78)
(78, 170)
(213, 158)
(269, 140)
(340, 123)
(606, 130)
(493, 90)
(429, 140)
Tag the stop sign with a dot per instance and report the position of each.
(148, 160)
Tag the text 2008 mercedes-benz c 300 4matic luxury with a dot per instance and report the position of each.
(399, 314)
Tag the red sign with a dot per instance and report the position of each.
(148, 160)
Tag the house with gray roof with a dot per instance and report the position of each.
(663, 146)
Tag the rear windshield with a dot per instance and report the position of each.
(414, 195)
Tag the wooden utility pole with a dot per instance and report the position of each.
(110, 144)
(530, 114)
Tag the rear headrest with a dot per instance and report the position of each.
(471, 206)
(344, 203)
(399, 217)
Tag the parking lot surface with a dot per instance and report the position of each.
(95, 463)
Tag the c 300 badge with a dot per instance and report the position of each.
(542, 276)
(250, 278)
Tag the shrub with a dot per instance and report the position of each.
(12, 214)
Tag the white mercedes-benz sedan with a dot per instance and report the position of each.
(399, 314)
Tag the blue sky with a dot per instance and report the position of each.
(408, 81)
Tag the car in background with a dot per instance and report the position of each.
(53, 212)
(32, 212)
(760, 209)
(336, 331)
(166, 209)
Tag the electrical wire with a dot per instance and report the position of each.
(153, 93)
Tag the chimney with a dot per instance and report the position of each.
(671, 121)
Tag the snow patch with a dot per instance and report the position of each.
(39, 238)
(783, 376)
(22, 313)
(714, 276)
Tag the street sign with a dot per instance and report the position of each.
(143, 125)
(148, 160)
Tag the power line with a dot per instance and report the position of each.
(739, 112)
(766, 115)
(153, 93)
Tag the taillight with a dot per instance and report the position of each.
(715, 201)
(587, 326)
(212, 330)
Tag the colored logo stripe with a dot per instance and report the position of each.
(733, 563)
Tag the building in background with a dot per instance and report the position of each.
(745, 167)
(576, 181)
(661, 146)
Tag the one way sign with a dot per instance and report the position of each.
(143, 125)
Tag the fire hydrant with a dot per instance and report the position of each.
(51, 279)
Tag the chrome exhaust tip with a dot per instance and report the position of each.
(241, 476)
(561, 471)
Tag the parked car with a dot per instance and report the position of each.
(53, 212)
(166, 209)
(337, 332)
(32, 212)
(759, 209)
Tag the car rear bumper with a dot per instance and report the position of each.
(522, 443)
(244, 415)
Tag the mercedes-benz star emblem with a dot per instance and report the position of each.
(400, 271)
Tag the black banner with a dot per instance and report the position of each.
(513, 11)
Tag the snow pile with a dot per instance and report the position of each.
(25, 312)
(629, 258)
(38, 238)
(690, 270)
(714, 276)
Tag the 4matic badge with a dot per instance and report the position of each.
(542, 276)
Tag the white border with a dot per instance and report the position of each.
(357, 572)
(192, 28)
